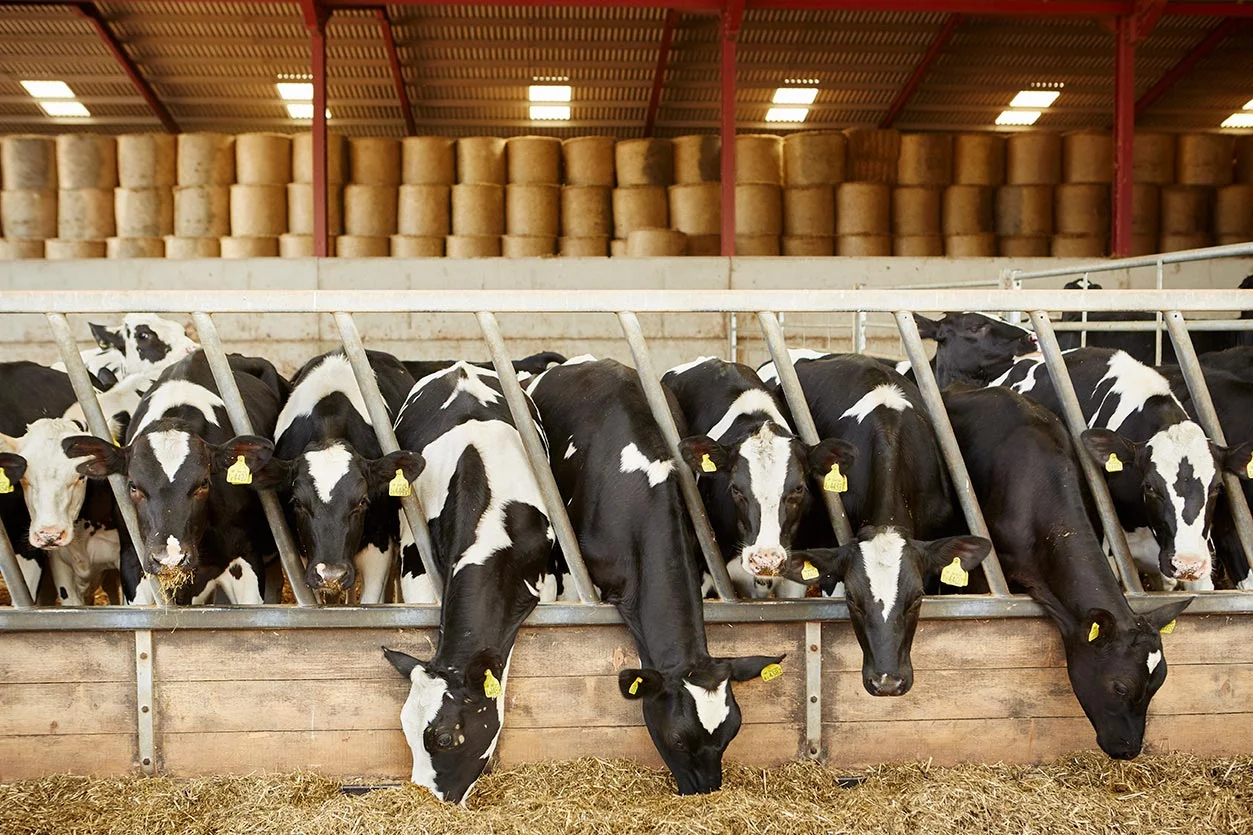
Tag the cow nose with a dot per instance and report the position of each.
(1190, 568)
(763, 562)
(50, 537)
(331, 576)
(886, 685)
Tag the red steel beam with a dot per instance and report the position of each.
(1196, 55)
(914, 81)
(659, 75)
(732, 16)
(315, 16)
(398, 75)
(90, 13)
(1124, 133)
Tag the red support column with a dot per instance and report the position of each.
(920, 71)
(731, 17)
(89, 12)
(317, 43)
(1124, 133)
(398, 75)
(659, 75)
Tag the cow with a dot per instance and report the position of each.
(494, 544)
(618, 477)
(525, 367)
(1237, 361)
(144, 340)
(1023, 469)
(973, 347)
(755, 474)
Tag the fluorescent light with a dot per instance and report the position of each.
(48, 89)
(1034, 98)
(295, 91)
(303, 110)
(549, 92)
(1238, 120)
(1018, 117)
(550, 112)
(795, 95)
(1248, 105)
(787, 114)
(64, 108)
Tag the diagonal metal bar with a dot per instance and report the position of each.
(659, 74)
(398, 75)
(19, 594)
(937, 45)
(91, 14)
(1212, 40)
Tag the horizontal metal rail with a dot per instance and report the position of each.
(1129, 325)
(1181, 257)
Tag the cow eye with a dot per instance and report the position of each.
(677, 743)
(363, 503)
(104, 346)
(796, 495)
(135, 492)
(202, 487)
(1120, 689)
(141, 336)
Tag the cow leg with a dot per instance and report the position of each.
(373, 567)
(788, 590)
(241, 583)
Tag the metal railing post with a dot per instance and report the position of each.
(859, 332)
(801, 416)
(1076, 423)
(98, 424)
(660, 407)
(1207, 416)
(1157, 331)
(520, 408)
(12, 573)
(288, 554)
(943, 427)
(415, 515)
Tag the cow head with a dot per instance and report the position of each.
(974, 348)
(1176, 474)
(883, 574)
(451, 719)
(148, 341)
(767, 477)
(1115, 668)
(692, 715)
(52, 486)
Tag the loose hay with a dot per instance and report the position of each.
(1086, 793)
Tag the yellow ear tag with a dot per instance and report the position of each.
(954, 575)
(808, 572)
(1093, 632)
(835, 482)
(6, 486)
(1248, 470)
(1168, 628)
(238, 473)
(771, 671)
(491, 687)
(1112, 464)
(635, 686)
(707, 464)
(399, 486)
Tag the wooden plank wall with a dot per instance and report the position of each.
(325, 699)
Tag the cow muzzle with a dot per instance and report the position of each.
(1190, 567)
(887, 684)
(51, 537)
(333, 577)
(763, 562)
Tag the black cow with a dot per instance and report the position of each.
(974, 348)
(1237, 361)
(624, 500)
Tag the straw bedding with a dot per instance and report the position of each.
(1087, 793)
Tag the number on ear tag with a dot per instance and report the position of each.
(771, 671)
(835, 481)
(1093, 633)
(635, 686)
(6, 486)
(1112, 464)
(491, 687)
(808, 571)
(707, 464)
(238, 473)
(399, 486)
(1168, 628)
(954, 575)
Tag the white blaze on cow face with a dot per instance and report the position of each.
(332, 375)
(1155, 658)
(1133, 384)
(171, 449)
(52, 487)
(881, 557)
(751, 401)
(426, 695)
(173, 394)
(767, 456)
(326, 468)
(887, 396)
(633, 461)
(1183, 458)
(712, 706)
(173, 554)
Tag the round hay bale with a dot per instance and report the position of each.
(587, 211)
(300, 208)
(1180, 242)
(1244, 159)
(250, 247)
(1088, 157)
(21, 249)
(206, 159)
(478, 210)
(863, 208)
(295, 246)
(374, 161)
(1146, 204)
(704, 245)
(29, 213)
(532, 210)
(1233, 210)
(143, 212)
(978, 159)
(424, 211)
(28, 163)
(178, 248)
(533, 160)
(696, 208)
(1153, 158)
(644, 162)
(428, 161)
(1081, 209)
(808, 211)
(85, 214)
(656, 243)
(1033, 158)
(971, 246)
(86, 160)
(809, 246)
(758, 209)
(916, 211)
(759, 159)
(863, 246)
(871, 155)
(639, 207)
(1224, 240)
(528, 246)
(1143, 245)
(814, 158)
(417, 246)
(1185, 210)
(370, 211)
(147, 160)
(1079, 246)
(472, 246)
(263, 159)
(336, 158)
(697, 159)
(756, 245)
(926, 160)
(617, 248)
(202, 211)
(480, 159)
(56, 249)
(1024, 210)
(1026, 246)
(362, 246)
(596, 246)
(258, 212)
(589, 160)
(918, 246)
(968, 210)
(1205, 159)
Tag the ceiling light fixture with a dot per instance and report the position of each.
(795, 95)
(787, 114)
(1238, 120)
(295, 91)
(63, 108)
(1018, 117)
(48, 89)
(549, 92)
(550, 112)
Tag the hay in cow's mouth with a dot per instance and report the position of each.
(174, 579)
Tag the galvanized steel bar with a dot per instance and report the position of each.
(288, 554)
(520, 408)
(801, 415)
(1207, 416)
(1145, 326)
(145, 705)
(1183, 256)
(19, 594)
(813, 689)
(651, 382)
(354, 349)
(934, 402)
(1075, 422)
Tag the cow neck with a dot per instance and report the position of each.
(478, 615)
(664, 610)
(1159, 412)
(1077, 577)
(885, 500)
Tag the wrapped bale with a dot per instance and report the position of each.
(1146, 202)
(1233, 211)
(1205, 159)
(533, 160)
(1244, 160)
(863, 208)
(258, 212)
(758, 159)
(1033, 158)
(644, 162)
(918, 246)
(585, 247)
(478, 210)
(424, 211)
(1079, 246)
(336, 158)
(589, 161)
(56, 249)
(916, 211)
(202, 211)
(178, 248)
(1081, 209)
(968, 210)
(863, 246)
(480, 159)
(263, 159)
(587, 211)
(978, 159)
(370, 211)
(814, 158)
(362, 246)
(871, 155)
(21, 249)
(147, 160)
(1024, 211)
(472, 246)
(532, 210)
(639, 207)
(374, 161)
(697, 159)
(250, 247)
(1026, 246)
(704, 245)
(696, 209)
(85, 160)
(756, 245)
(656, 242)
(528, 246)
(28, 163)
(926, 160)
(300, 209)
(143, 212)
(1153, 158)
(85, 214)
(758, 209)
(29, 213)
(206, 159)
(1088, 157)
(1180, 242)
(972, 246)
(417, 246)
(428, 161)
(1185, 210)
(295, 246)
(808, 211)
(810, 246)
(617, 248)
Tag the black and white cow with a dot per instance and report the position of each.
(974, 348)
(614, 470)
(494, 544)
(755, 474)
(525, 367)
(1022, 466)
(144, 341)
(1237, 361)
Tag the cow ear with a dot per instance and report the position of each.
(927, 328)
(383, 470)
(694, 450)
(828, 453)
(749, 667)
(1097, 627)
(969, 550)
(1239, 460)
(9, 444)
(403, 662)
(638, 684)
(103, 458)
(1102, 443)
(484, 674)
(105, 337)
(1163, 615)
(818, 565)
(256, 451)
(14, 466)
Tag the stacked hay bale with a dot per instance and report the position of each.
(758, 194)
(1204, 162)
(206, 172)
(645, 170)
(370, 197)
(587, 196)
(1153, 168)
(478, 198)
(924, 170)
(263, 172)
(297, 242)
(86, 178)
(967, 211)
(532, 197)
(143, 202)
(428, 171)
(1082, 202)
(1024, 205)
(1233, 210)
(696, 196)
(814, 164)
(863, 203)
(28, 200)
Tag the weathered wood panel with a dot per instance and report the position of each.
(100, 755)
(66, 656)
(67, 709)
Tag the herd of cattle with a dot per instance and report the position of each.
(194, 483)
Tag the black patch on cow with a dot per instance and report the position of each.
(236, 571)
(150, 347)
(1192, 490)
(64, 594)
